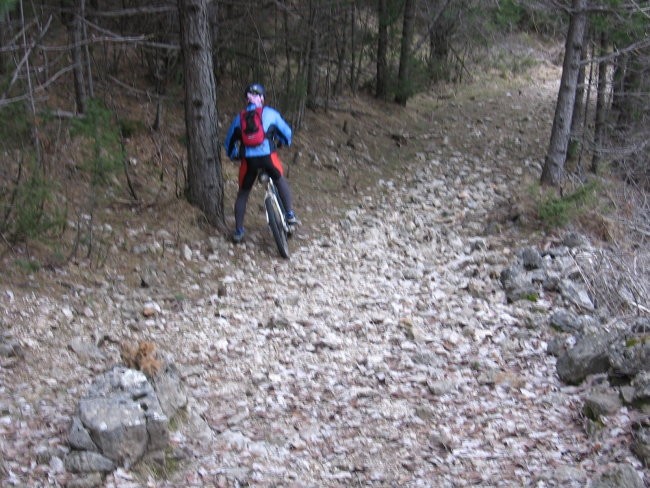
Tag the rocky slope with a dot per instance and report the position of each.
(383, 353)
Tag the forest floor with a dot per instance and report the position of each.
(360, 361)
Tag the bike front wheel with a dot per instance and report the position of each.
(277, 229)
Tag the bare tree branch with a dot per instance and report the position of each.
(643, 43)
(130, 12)
(25, 57)
(38, 89)
(11, 47)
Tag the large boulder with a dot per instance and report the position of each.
(123, 416)
(169, 389)
(518, 284)
(641, 444)
(565, 320)
(122, 419)
(620, 476)
(577, 294)
(630, 356)
(588, 356)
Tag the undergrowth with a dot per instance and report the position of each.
(556, 211)
(28, 209)
(104, 153)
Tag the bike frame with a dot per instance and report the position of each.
(272, 192)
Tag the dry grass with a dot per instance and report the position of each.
(618, 280)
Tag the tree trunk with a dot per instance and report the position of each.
(579, 106)
(205, 179)
(353, 50)
(4, 37)
(341, 50)
(553, 172)
(438, 35)
(601, 106)
(589, 83)
(404, 84)
(75, 29)
(36, 139)
(627, 100)
(618, 85)
(312, 61)
(438, 52)
(86, 51)
(382, 50)
(311, 71)
(288, 87)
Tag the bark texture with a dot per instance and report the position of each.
(403, 82)
(553, 172)
(204, 174)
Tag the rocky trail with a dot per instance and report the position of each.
(383, 353)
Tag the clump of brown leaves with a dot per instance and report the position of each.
(142, 357)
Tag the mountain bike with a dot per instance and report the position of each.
(275, 214)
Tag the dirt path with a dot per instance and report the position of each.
(382, 354)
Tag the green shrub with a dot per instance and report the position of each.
(557, 211)
(292, 99)
(16, 127)
(417, 80)
(31, 213)
(440, 71)
(518, 16)
(531, 297)
(508, 15)
(28, 265)
(104, 152)
(6, 6)
(574, 149)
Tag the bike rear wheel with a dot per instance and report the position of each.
(275, 223)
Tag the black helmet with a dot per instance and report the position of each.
(255, 89)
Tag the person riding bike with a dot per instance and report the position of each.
(256, 155)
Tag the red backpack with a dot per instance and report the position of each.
(252, 129)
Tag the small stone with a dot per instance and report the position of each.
(601, 404)
(90, 480)
(88, 462)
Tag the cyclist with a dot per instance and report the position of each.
(260, 156)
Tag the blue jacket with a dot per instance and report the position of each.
(275, 127)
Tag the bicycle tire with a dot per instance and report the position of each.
(288, 230)
(275, 223)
